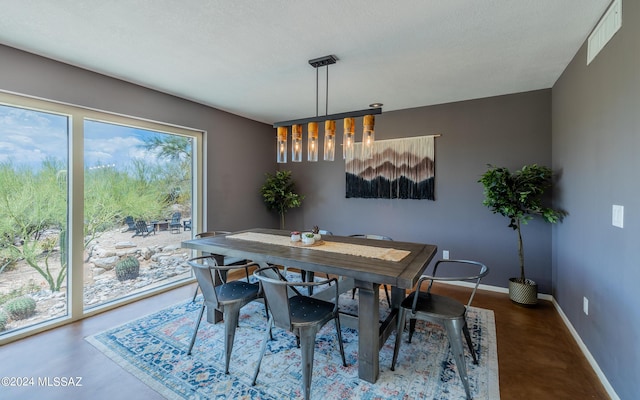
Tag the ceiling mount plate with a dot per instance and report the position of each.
(323, 61)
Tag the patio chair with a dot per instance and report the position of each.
(130, 223)
(443, 310)
(299, 314)
(175, 224)
(227, 297)
(143, 229)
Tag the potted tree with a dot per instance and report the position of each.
(278, 193)
(519, 196)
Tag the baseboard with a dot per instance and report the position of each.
(596, 368)
(592, 361)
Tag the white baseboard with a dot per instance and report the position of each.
(596, 368)
(592, 361)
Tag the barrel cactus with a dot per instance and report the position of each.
(4, 318)
(128, 268)
(21, 307)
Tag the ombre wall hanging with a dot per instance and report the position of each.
(398, 169)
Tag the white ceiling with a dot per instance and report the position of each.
(250, 57)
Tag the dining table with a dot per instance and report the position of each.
(362, 263)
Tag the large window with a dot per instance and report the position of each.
(93, 208)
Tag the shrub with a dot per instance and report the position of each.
(128, 268)
(4, 318)
(21, 307)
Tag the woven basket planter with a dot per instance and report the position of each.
(523, 293)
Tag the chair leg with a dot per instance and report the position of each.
(195, 331)
(308, 343)
(339, 332)
(386, 292)
(195, 294)
(262, 350)
(467, 336)
(231, 317)
(399, 329)
(412, 328)
(454, 329)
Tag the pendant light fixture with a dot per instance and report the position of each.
(312, 141)
(368, 137)
(296, 143)
(329, 136)
(329, 140)
(282, 144)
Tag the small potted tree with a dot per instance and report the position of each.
(278, 193)
(519, 196)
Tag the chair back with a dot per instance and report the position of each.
(469, 271)
(175, 218)
(276, 291)
(367, 236)
(206, 280)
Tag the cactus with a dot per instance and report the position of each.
(4, 318)
(128, 268)
(21, 307)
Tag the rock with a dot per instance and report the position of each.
(124, 245)
(98, 271)
(107, 262)
(146, 253)
(172, 247)
(126, 252)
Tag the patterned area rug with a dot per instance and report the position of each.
(153, 348)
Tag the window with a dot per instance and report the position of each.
(93, 207)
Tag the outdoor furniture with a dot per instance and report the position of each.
(186, 225)
(143, 229)
(301, 315)
(175, 224)
(130, 223)
(222, 296)
(365, 272)
(443, 310)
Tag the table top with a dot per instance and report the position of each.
(403, 274)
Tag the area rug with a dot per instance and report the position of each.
(154, 349)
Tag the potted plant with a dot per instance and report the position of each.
(278, 193)
(519, 196)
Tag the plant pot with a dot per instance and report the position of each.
(523, 293)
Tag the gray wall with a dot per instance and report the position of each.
(596, 139)
(235, 146)
(506, 131)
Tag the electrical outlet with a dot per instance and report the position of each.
(585, 305)
(445, 254)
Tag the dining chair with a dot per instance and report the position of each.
(222, 295)
(299, 314)
(443, 310)
(309, 275)
(375, 237)
(227, 260)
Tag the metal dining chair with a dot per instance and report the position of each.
(443, 310)
(375, 237)
(308, 276)
(227, 297)
(227, 260)
(299, 314)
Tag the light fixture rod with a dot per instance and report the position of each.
(326, 95)
(350, 114)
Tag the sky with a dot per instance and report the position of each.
(28, 137)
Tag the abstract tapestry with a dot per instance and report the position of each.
(399, 169)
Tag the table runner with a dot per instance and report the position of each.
(381, 253)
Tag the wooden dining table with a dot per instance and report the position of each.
(362, 263)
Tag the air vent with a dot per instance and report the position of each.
(604, 31)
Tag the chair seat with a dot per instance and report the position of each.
(236, 290)
(440, 307)
(307, 310)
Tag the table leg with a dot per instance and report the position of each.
(368, 330)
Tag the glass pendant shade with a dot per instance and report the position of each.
(368, 137)
(282, 145)
(312, 141)
(296, 143)
(329, 140)
(348, 138)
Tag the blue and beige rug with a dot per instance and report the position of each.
(153, 348)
